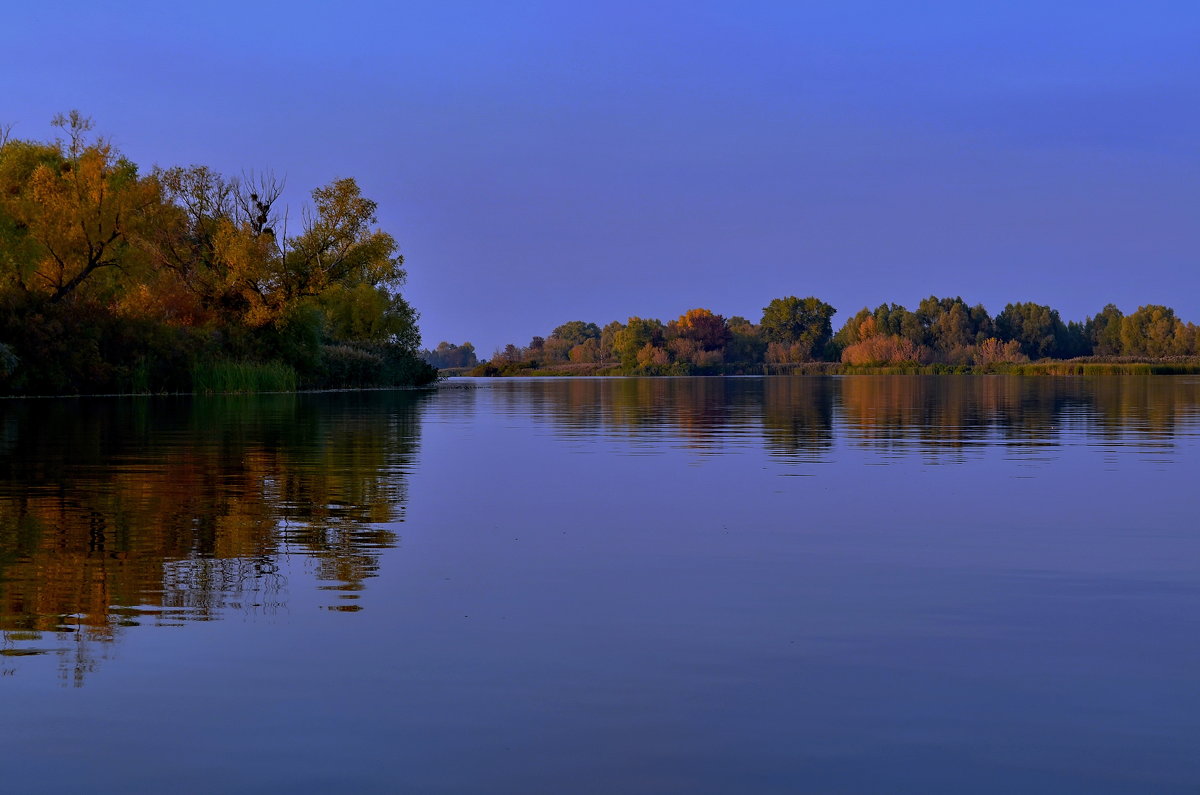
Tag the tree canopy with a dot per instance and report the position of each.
(115, 279)
(797, 331)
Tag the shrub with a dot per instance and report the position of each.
(8, 361)
(344, 366)
(883, 350)
(993, 351)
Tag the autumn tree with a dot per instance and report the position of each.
(707, 330)
(994, 351)
(223, 244)
(1154, 331)
(889, 320)
(608, 338)
(114, 280)
(73, 210)
(586, 352)
(884, 349)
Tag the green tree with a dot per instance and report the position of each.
(363, 313)
(576, 332)
(746, 345)
(791, 320)
(634, 337)
(608, 338)
(1077, 342)
(949, 324)
(1036, 328)
(1104, 331)
(447, 354)
(1153, 331)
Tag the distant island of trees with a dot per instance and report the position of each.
(448, 356)
(180, 279)
(796, 335)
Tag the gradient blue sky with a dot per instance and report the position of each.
(541, 162)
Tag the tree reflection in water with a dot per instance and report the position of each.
(118, 512)
(799, 418)
(168, 510)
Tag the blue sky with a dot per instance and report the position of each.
(542, 162)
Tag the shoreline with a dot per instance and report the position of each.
(423, 387)
(1064, 367)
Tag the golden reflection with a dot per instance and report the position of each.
(122, 512)
(951, 413)
(799, 417)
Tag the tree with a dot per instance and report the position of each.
(701, 327)
(848, 334)
(222, 242)
(637, 334)
(608, 337)
(1104, 331)
(576, 332)
(1076, 342)
(114, 280)
(746, 344)
(1153, 331)
(20, 251)
(949, 323)
(363, 313)
(447, 354)
(339, 245)
(1038, 329)
(803, 321)
(587, 351)
(76, 207)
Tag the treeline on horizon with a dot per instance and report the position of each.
(941, 334)
(181, 279)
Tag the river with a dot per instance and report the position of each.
(810, 584)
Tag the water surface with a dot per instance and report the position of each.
(859, 584)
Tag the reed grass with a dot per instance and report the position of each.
(1104, 368)
(139, 379)
(233, 376)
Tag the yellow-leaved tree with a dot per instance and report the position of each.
(75, 209)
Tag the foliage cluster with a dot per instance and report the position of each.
(793, 334)
(116, 280)
(447, 355)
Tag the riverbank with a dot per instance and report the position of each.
(1066, 367)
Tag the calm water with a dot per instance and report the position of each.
(614, 586)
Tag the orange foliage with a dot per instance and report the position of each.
(880, 350)
(652, 355)
(993, 351)
(782, 353)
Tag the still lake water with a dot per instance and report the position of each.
(866, 584)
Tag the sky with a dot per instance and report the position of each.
(545, 162)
